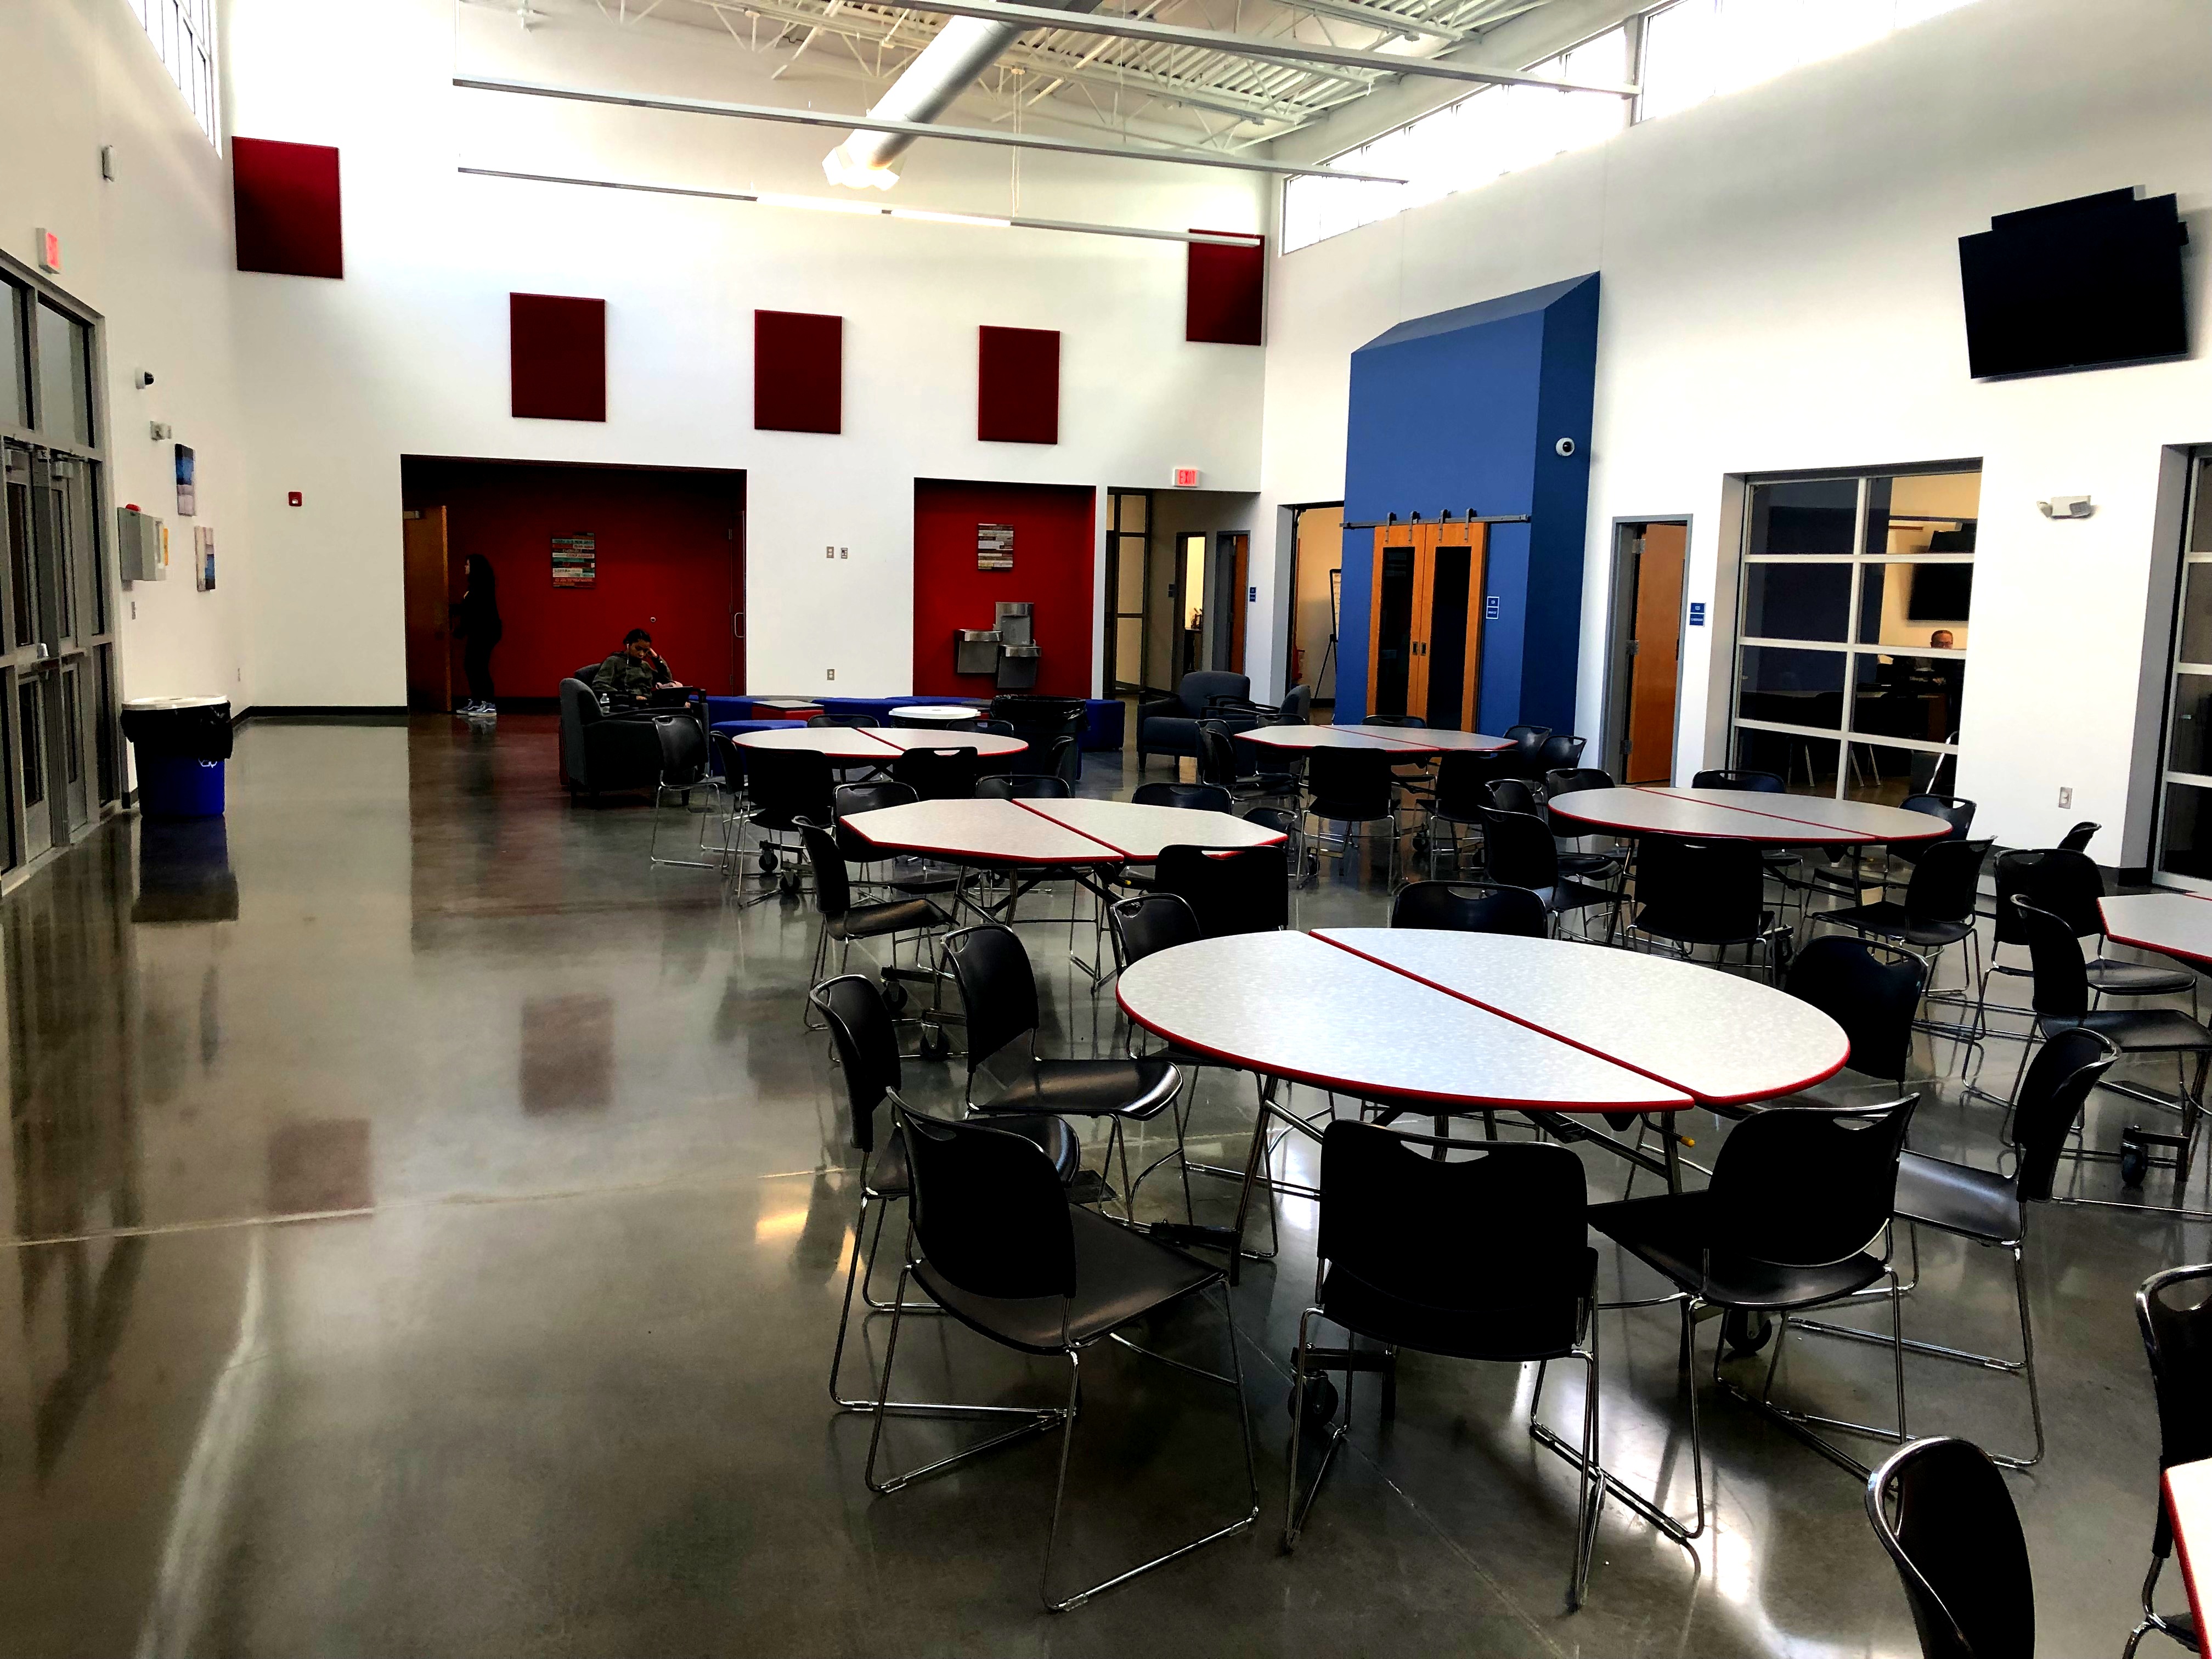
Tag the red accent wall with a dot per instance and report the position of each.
(557, 353)
(1018, 385)
(1225, 291)
(666, 562)
(1055, 539)
(798, 372)
(286, 199)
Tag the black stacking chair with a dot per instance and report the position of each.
(1461, 779)
(1218, 763)
(1990, 1209)
(1956, 1539)
(1352, 787)
(1958, 814)
(998, 994)
(1462, 907)
(1560, 753)
(1407, 1253)
(784, 786)
(1022, 786)
(2174, 1308)
(842, 719)
(2062, 1004)
(2068, 884)
(1527, 751)
(1737, 777)
(993, 1239)
(685, 772)
(866, 1036)
(2077, 839)
(910, 877)
(1242, 889)
(1283, 821)
(1692, 893)
(1590, 864)
(1511, 795)
(1191, 797)
(1521, 853)
(845, 922)
(1872, 991)
(939, 774)
(1063, 759)
(1797, 1217)
(1937, 910)
(737, 808)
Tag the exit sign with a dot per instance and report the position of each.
(1185, 477)
(49, 251)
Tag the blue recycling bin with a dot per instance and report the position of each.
(181, 744)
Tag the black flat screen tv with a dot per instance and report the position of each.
(1940, 593)
(2088, 283)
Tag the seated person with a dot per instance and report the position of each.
(629, 679)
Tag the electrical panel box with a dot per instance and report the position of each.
(139, 546)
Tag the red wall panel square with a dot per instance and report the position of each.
(1055, 544)
(1018, 385)
(557, 357)
(1225, 291)
(798, 372)
(286, 201)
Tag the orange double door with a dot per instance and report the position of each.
(1424, 622)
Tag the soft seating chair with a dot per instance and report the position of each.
(601, 751)
(1168, 726)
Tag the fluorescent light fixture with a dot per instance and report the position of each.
(950, 218)
(841, 167)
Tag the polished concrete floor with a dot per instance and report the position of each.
(429, 1224)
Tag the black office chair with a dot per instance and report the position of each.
(1408, 1252)
(998, 994)
(939, 774)
(1989, 1209)
(2174, 1311)
(1242, 889)
(1693, 893)
(1937, 911)
(1353, 788)
(1191, 797)
(866, 1036)
(1797, 1217)
(993, 1239)
(2062, 1003)
(1957, 1547)
(785, 788)
(1461, 907)
(1462, 778)
(1527, 751)
(2077, 839)
(1519, 852)
(1737, 777)
(845, 922)
(1022, 786)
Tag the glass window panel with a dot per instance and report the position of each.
(1797, 687)
(2196, 645)
(1908, 696)
(32, 751)
(1129, 649)
(65, 376)
(14, 367)
(1796, 601)
(1807, 766)
(1678, 58)
(1914, 604)
(1884, 774)
(1129, 574)
(2200, 521)
(2190, 747)
(1133, 511)
(2186, 846)
(1812, 516)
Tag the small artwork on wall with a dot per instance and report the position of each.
(576, 561)
(187, 495)
(994, 547)
(204, 557)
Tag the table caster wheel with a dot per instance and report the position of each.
(1745, 1332)
(2134, 1158)
(1321, 1402)
(768, 861)
(894, 995)
(787, 884)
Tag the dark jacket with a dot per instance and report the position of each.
(623, 676)
(476, 618)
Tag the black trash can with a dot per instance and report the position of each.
(180, 745)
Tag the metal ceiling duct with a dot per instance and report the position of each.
(946, 68)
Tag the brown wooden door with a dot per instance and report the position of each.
(1243, 545)
(428, 608)
(1655, 664)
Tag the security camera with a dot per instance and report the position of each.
(145, 378)
(1565, 447)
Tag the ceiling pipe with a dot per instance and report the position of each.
(929, 86)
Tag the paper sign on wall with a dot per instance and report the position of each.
(994, 547)
(576, 561)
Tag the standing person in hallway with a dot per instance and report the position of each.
(475, 622)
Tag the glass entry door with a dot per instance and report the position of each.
(1425, 636)
(2184, 819)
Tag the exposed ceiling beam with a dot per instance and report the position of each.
(1379, 17)
(912, 129)
(1248, 45)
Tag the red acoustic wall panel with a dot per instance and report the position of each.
(798, 372)
(1018, 385)
(286, 200)
(1053, 543)
(557, 357)
(1225, 291)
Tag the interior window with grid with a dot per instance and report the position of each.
(183, 33)
(1852, 635)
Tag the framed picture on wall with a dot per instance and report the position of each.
(994, 547)
(576, 561)
(204, 557)
(187, 495)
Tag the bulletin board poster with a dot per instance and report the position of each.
(994, 547)
(576, 561)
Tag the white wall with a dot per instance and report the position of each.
(152, 252)
(1781, 291)
(408, 353)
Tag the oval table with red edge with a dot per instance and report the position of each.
(879, 744)
(1412, 742)
(1746, 815)
(2178, 925)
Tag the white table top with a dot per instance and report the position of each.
(1722, 1039)
(1744, 815)
(983, 742)
(875, 742)
(2188, 1491)
(1138, 833)
(980, 831)
(2179, 924)
(1287, 1004)
(1409, 741)
(1435, 739)
(938, 711)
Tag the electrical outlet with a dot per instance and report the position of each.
(844, 552)
(2065, 796)
(829, 552)
(833, 673)
(134, 610)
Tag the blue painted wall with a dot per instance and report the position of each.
(1462, 411)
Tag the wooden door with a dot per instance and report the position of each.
(1242, 574)
(1655, 664)
(429, 599)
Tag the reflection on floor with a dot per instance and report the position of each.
(428, 1233)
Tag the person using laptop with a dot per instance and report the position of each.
(629, 679)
